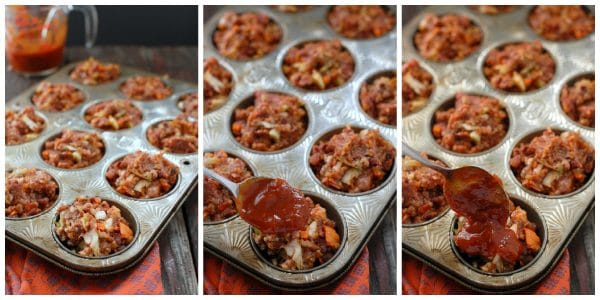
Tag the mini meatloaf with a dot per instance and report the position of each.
(142, 175)
(188, 104)
(447, 38)
(273, 122)
(561, 22)
(174, 136)
(473, 124)
(146, 88)
(361, 21)
(92, 72)
(218, 201)
(352, 161)
(57, 97)
(249, 35)
(301, 249)
(417, 86)
(21, 127)
(578, 100)
(526, 232)
(28, 192)
(422, 191)
(553, 164)
(291, 8)
(93, 227)
(319, 65)
(378, 98)
(73, 149)
(117, 114)
(493, 9)
(519, 67)
(218, 83)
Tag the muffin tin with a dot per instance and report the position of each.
(561, 216)
(150, 217)
(327, 110)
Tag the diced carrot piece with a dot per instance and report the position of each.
(126, 232)
(236, 128)
(332, 238)
(304, 234)
(532, 239)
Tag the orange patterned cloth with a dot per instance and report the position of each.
(419, 279)
(222, 278)
(27, 273)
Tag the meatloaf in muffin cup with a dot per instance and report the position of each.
(28, 192)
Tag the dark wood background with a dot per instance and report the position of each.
(179, 241)
(581, 249)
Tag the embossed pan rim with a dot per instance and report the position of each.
(528, 136)
(529, 208)
(250, 166)
(124, 210)
(329, 207)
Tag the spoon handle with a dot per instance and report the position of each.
(409, 151)
(233, 187)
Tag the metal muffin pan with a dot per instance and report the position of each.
(528, 112)
(150, 216)
(327, 110)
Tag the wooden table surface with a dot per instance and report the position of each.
(179, 240)
(581, 249)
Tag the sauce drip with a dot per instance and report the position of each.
(273, 206)
(479, 197)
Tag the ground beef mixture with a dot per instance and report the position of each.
(526, 234)
(93, 227)
(493, 9)
(21, 127)
(73, 149)
(273, 122)
(218, 83)
(92, 72)
(249, 35)
(174, 136)
(301, 249)
(378, 98)
(319, 65)
(292, 8)
(142, 175)
(361, 21)
(28, 192)
(188, 104)
(145, 88)
(553, 164)
(472, 125)
(353, 162)
(447, 38)
(422, 191)
(57, 97)
(561, 22)
(117, 114)
(417, 86)
(218, 201)
(578, 101)
(519, 67)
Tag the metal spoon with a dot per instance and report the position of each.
(233, 187)
(469, 190)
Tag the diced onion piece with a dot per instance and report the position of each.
(417, 103)
(210, 161)
(300, 66)
(77, 156)
(350, 175)
(410, 164)
(312, 230)
(274, 134)
(68, 147)
(215, 83)
(519, 81)
(91, 239)
(108, 224)
(468, 127)
(475, 137)
(550, 178)
(294, 250)
(31, 124)
(498, 262)
(502, 69)
(266, 124)
(514, 228)
(140, 185)
(414, 84)
(113, 122)
(100, 215)
(318, 79)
